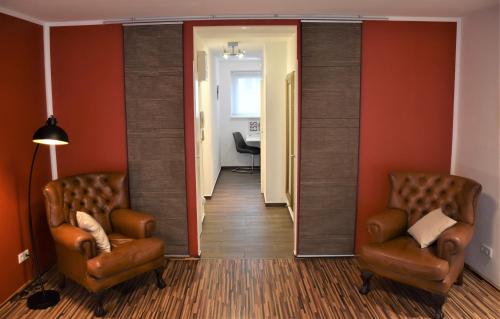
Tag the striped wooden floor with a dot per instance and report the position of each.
(266, 288)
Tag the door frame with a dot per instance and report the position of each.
(290, 139)
(189, 120)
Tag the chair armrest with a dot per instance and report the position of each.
(454, 240)
(75, 239)
(132, 224)
(387, 225)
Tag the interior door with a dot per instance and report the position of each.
(290, 143)
(198, 119)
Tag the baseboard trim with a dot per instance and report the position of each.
(26, 285)
(176, 256)
(246, 167)
(481, 275)
(324, 256)
(275, 204)
(18, 291)
(171, 257)
(215, 184)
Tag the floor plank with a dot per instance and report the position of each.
(238, 224)
(265, 288)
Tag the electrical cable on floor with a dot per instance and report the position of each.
(33, 286)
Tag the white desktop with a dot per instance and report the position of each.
(253, 137)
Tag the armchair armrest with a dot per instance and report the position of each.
(132, 224)
(75, 239)
(387, 225)
(454, 240)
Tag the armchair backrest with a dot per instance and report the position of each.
(97, 194)
(419, 193)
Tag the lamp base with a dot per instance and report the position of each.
(43, 299)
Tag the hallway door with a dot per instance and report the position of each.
(290, 142)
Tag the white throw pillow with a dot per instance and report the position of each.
(88, 223)
(428, 228)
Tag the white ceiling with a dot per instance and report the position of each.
(71, 10)
(250, 38)
(221, 35)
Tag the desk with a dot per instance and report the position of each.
(253, 139)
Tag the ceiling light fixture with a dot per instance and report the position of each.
(233, 50)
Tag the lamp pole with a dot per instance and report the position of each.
(49, 134)
(36, 267)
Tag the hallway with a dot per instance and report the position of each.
(238, 224)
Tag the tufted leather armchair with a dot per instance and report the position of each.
(394, 254)
(105, 197)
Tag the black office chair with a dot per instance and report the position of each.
(242, 147)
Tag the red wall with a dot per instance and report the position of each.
(22, 105)
(406, 103)
(406, 106)
(88, 92)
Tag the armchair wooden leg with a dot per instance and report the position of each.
(365, 288)
(159, 279)
(440, 301)
(125, 289)
(62, 282)
(99, 301)
(460, 279)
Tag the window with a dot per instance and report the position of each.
(245, 93)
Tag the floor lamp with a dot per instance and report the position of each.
(49, 134)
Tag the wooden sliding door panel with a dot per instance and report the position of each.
(151, 85)
(331, 44)
(330, 154)
(328, 197)
(334, 168)
(329, 137)
(155, 129)
(327, 245)
(155, 46)
(326, 223)
(325, 122)
(166, 112)
(330, 140)
(322, 99)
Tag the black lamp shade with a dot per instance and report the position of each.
(51, 134)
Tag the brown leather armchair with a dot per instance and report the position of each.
(392, 253)
(105, 197)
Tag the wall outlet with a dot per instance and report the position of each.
(488, 251)
(23, 256)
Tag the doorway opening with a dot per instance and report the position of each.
(245, 123)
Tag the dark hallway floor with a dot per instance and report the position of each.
(238, 224)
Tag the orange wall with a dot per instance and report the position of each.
(406, 106)
(22, 105)
(88, 91)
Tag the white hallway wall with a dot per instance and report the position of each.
(211, 142)
(228, 125)
(275, 66)
(477, 146)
